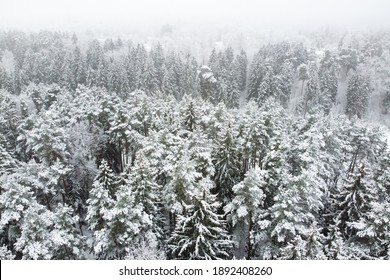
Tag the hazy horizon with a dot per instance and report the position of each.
(148, 15)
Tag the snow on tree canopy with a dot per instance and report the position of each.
(124, 148)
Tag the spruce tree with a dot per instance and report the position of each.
(354, 198)
(328, 79)
(200, 233)
(99, 204)
(240, 66)
(311, 97)
(227, 167)
(358, 92)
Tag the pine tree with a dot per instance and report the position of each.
(100, 202)
(328, 79)
(266, 88)
(190, 116)
(214, 62)
(6, 254)
(303, 75)
(386, 102)
(181, 181)
(66, 238)
(189, 79)
(126, 224)
(169, 83)
(227, 168)
(335, 245)
(283, 83)
(94, 55)
(15, 199)
(354, 198)
(244, 209)
(200, 233)
(157, 55)
(373, 231)
(34, 241)
(292, 229)
(230, 94)
(149, 78)
(256, 74)
(146, 192)
(209, 87)
(32, 230)
(311, 97)
(7, 162)
(372, 227)
(240, 66)
(68, 80)
(348, 60)
(5, 82)
(358, 92)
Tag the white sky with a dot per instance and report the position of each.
(55, 14)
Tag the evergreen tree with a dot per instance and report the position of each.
(303, 76)
(157, 55)
(354, 198)
(189, 79)
(227, 168)
(241, 65)
(358, 92)
(126, 224)
(311, 97)
(169, 84)
(328, 79)
(149, 78)
(283, 83)
(190, 116)
(101, 199)
(32, 230)
(146, 192)
(244, 209)
(266, 88)
(230, 94)
(256, 75)
(292, 230)
(94, 55)
(182, 179)
(7, 162)
(200, 233)
(209, 89)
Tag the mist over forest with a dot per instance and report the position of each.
(206, 134)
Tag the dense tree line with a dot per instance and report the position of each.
(119, 152)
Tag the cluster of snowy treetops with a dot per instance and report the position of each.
(119, 152)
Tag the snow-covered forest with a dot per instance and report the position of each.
(114, 149)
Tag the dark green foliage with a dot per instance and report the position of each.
(358, 93)
(200, 233)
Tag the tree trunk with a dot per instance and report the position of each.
(249, 237)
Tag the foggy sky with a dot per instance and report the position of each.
(271, 14)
